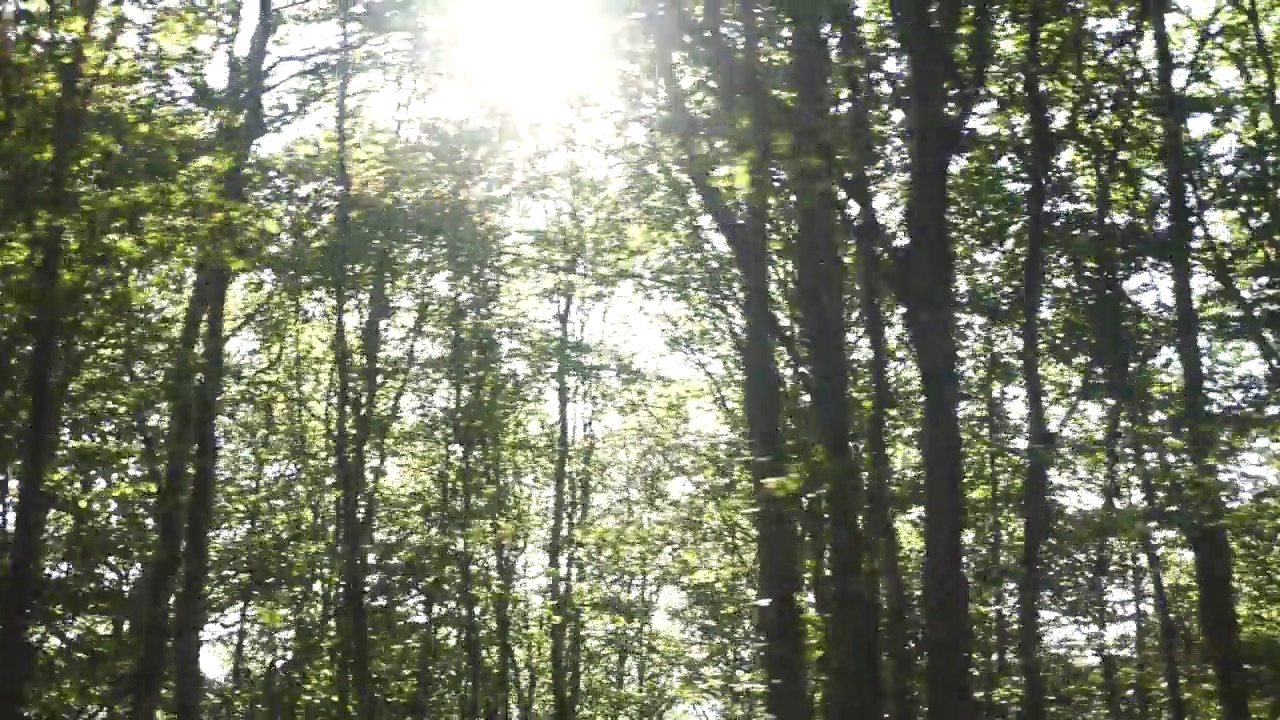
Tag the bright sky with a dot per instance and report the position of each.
(530, 60)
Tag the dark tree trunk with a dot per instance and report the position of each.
(190, 614)
(780, 582)
(780, 579)
(44, 411)
(1035, 497)
(1141, 690)
(996, 668)
(926, 288)
(556, 548)
(157, 582)
(1102, 564)
(505, 567)
(848, 691)
(880, 533)
(349, 447)
(1206, 531)
(1168, 630)
(246, 87)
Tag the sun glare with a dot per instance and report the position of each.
(533, 60)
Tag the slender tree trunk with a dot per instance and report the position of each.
(996, 669)
(880, 516)
(1141, 691)
(882, 539)
(556, 548)
(1035, 498)
(424, 690)
(1206, 531)
(780, 580)
(582, 501)
(157, 582)
(470, 611)
(1164, 615)
(505, 568)
(189, 609)
(348, 449)
(246, 88)
(1102, 564)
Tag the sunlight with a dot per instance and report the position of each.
(531, 61)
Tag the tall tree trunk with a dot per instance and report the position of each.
(424, 688)
(777, 547)
(1164, 615)
(190, 614)
(470, 612)
(556, 547)
(245, 87)
(926, 288)
(996, 668)
(780, 579)
(1206, 531)
(152, 626)
(582, 506)
(1141, 691)
(348, 448)
(848, 690)
(1035, 497)
(1102, 563)
(880, 533)
(505, 566)
(44, 412)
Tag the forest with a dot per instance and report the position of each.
(640, 359)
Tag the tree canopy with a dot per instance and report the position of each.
(651, 359)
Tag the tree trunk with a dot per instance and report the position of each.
(777, 547)
(348, 448)
(1102, 564)
(1141, 691)
(881, 535)
(1206, 531)
(848, 690)
(780, 580)
(1164, 615)
(40, 442)
(240, 133)
(152, 627)
(996, 669)
(555, 550)
(1035, 497)
(190, 614)
(928, 293)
